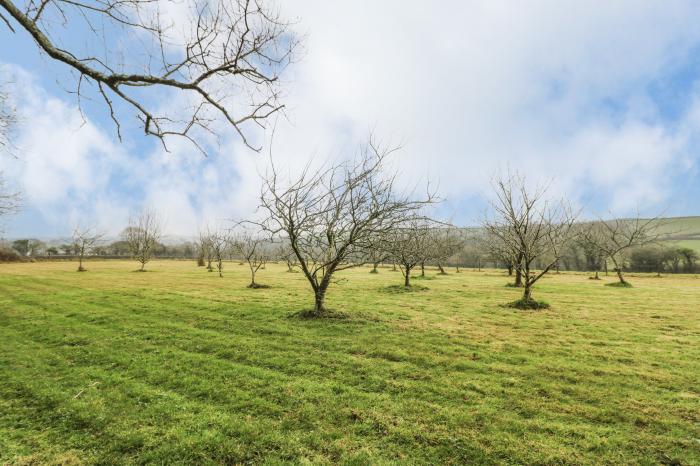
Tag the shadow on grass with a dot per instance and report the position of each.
(619, 284)
(404, 289)
(258, 286)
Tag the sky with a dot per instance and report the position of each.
(603, 98)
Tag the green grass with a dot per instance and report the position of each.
(683, 232)
(179, 366)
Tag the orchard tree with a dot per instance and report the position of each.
(617, 237)
(205, 249)
(225, 57)
(284, 252)
(84, 241)
(377, 252)
(591, 236)
(534, 228)
(331, 216)
(446, 242)
(220, 244)
(142, 236)
(407, 244)
(254, 251)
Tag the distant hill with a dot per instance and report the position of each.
(682, 231)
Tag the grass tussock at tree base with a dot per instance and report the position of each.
(528, 304)
(423, 277)
(512, 285)
(594, 278)
(324, 314)
(257, 286)
(374, 271)
(620, 284)
(404, 289)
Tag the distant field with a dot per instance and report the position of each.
(178, 366)
(683, 231)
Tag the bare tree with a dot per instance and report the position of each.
(330, 217)
(9, 201)
(205, 250)
(445, 242)
(224, 56)
(530, 226)
(285, 252)
(219, 245)
(142, 236)
(502, 251)
(615, 238)
(253, 250)
(377, 252)
(407, 244)
(590, 238)
(84, 241)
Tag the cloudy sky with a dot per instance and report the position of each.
(602, 97)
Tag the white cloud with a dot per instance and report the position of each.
(558, 89)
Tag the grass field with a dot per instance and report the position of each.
(178, 366)
(684, 232)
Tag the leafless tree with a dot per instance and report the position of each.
(142, 236)
(205, 249)
(331, 216)
(531, 226)
(9, 201)
(502, 251)
(84, 240)
(219, 245)
(445, 243)
(224, 56)
(615, 238)
(407, 244)
(377, 252)
(285, 253)
(590, 238)
(253, 249)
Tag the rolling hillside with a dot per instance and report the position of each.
(683, 231)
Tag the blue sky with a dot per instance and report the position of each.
(602, 98)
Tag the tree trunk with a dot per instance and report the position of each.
(479, 264)
(618, 270)
(442, 271)
(319, 298)
(527, 294)
(596, 275)
(510, 270)
(457, 266)
(407, 278)
(518, 277)
(422, 269)
(143, 265)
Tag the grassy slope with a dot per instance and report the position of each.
(177, 365)
(683, 231)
